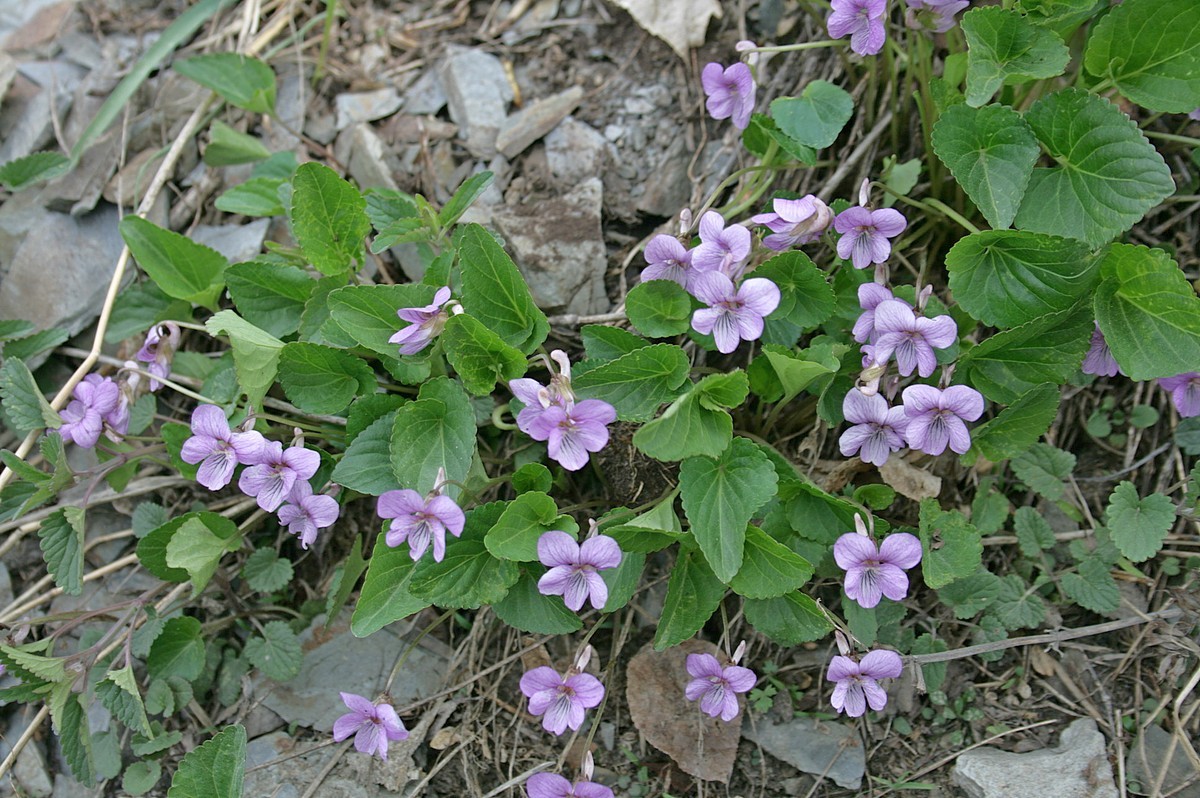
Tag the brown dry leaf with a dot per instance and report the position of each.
(703, 747)
(679, 23)
(909, 481)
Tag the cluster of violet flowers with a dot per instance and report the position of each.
(1184, 389)
(863, 20)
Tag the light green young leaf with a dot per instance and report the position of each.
(328, 217)
(797, 371)
(266, 572)
(515, 534)
(1139, 526)
(468, 576)
(119, 693)
(367, 313)
(1043, 468)
(1107, 174)
(1019, 425)
(178, 651)
(1034, 534)
(685, 429)
(436, 431)
(198, 550)
(276, 652)
(23, 402)
(951, 545)
(817, 116)
(1004, 46)
(270, 295)
(789, 620)
(525, 608)
(659, 308)
(693, 593)
(140, 777)
(34, 168)
(61, 539)
(217, 769)
(367, 464)
(385, 595)
(1092, 586)
(623, 581)
(258, 196)
(494, 291)
(229, 147)
(769, 568)
(240, 80)
(31, 345)
(255, 353)
(179, 266)
(637, 383)
(479, 356)
(321, 379)
(464, 195)
(609, 343)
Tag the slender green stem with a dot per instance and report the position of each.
(330, 14)
(1154, 134)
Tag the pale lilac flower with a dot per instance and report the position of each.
(271, 479)
(935, 417)
(572, 432)
(730, 92)
(933, 15)
(794, 221)
(857, 682)
(427, 324)
(866, 234)
(95, 401)
(561, 701)
(218, 449)
(552, 785)
(1194, 115)
(873, 572)
(869, 297)
(669, 260)
(733, 315)
(717, 687)
(911, 338)
(573, 567)
(862, 20)
(420, 520)
(1185, 392)
(304, 514)
(722, 249)
(161, 342)
(373, 725)
(878, 430)
(1099, 359)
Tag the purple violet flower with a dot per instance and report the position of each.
(717, 687)
(794, 221)
(870, 295)
(857, 682)
(304, 514)
(1099, 359)
(373, 725)
(1195, 115)
(1185, 392)
(866, 233)
(733, 315)
(421, 520)
(573, 567)
(572, 432)
(878, 429)
(933, 15)
(669, 260)
(935, 417)
(272, 478)
(873, 572)
(721, 249)
(427, 324)
(561, 701)
(218, 449)
(863, 21)
(730, 92)
(161, 342)
(96, 400)
(912, 338)
(552, 785)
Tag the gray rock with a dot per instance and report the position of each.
(558, 245)
(30, 772)
(291, 101)
(237, 242)
(370, 162)
(15, 13)
(366, 106)
(1077, 768)
(78, 191)
(814, 746)
(478, 93)
(6, 591)
(536, 120)
(42, 90)
(8, 71)
(1145, 761)
(66, 787)
(292, 777)
(671, 188)
(426, 96)
(576, 151)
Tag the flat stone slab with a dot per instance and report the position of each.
(814, 746)
(1077, 768)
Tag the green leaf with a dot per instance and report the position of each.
(197, 549)
(240, 80)
(789, 620)
(693, 593)
(1150, 50)
(934, 673)
(152, 549)
(1010, 364)
(71, 724)
(19, 328)
(970, 595)
(623, 581)
(1139, 526)
(321, 379)
(266, 572)
(695, 423)
(269, 295)
(762, 132)
(769, 568)
(817, 116)
(525, 519)
(367, 464)
(179, 266)
(141, 305)
(140, 777)
(1004, 46)
(806, 298)
(178, 651)
(951, 545)
(1006, 278)
(229, 147)
(637, 383)
(258, 196)
(479, 356)
(494, 291)
(721, 496)
(1033, 532)
(345, 578)
(863, 622)
(525, 608)
(436, 431)
(255, 353)
(328, 217)
(369, 409)
(36, 344)
(1017, 606)
(368, 312)
(797, 371)
(276, 652)
(1107, 174)
(609, 343)
(651, 531)
(119, 693)
(466, 194)
(1149, 314)
(1092, 587)
(659, 308)
(385, 595)
(173, 436)
(35, 168)
(1043, 468)
(1061, 16)
(1019, 425)
(467, 578)
(61, 539)
(23, 402)
(216, 769)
